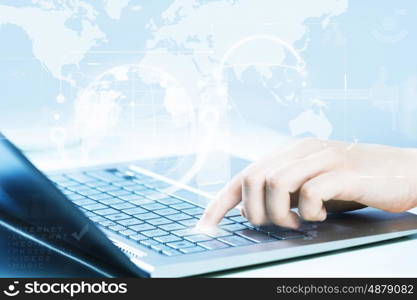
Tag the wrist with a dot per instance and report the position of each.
(411, 154)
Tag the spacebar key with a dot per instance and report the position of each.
(256, 236)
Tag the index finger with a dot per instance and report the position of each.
(228, 198)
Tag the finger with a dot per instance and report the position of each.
(278, 207)
(230, 196)
(243, 213)
(313, 194)
(227, 199)
(253, 190)
(296, 150)
(281, 183)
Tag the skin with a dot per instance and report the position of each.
(318, 177)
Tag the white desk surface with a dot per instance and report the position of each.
(395, 258)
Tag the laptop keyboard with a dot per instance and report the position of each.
(135, 206)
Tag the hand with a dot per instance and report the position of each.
(319, 177)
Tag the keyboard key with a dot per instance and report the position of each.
(81, 188)
(100, 196)
(129, 222)
(166, 211)
(122, 206)
(89, 214)
(94, 206)
(107, 223)
(77, 197)
(160, 247)
(180, 244)
(135, 187)
(68, 193)
(213, 245)
(172, 226)
(125, 184)
(238, 219)
(138, 237)
(105, 212)
(153, 206)
(96, 184)
(104, 176)
(88, 192)
(170, 200)
(233, 227)
(120, 193)
(155, 196)
(256, 236)
(153, 233)
(219, 233)
(182, 206)
(236, 240)
(168, 238)
(189, 222)
(147, 216)
(84, 201)
(118, 216)
(194, 211)
(68, 183)
(159, 221)
(134, 211)
(192, 250)
(178, 217)
(307, 226)
(198, 238)
(233, 213)
(146, 192)
(108, 188)
(160, 185)
(142, 227)
(131, 197)
(118, 228)
(248, 224)
(110, 201)
(149, 242)
(57, 178)
(288, 234)
(184, 232)
(225, 221)
(281, 232)
(170, 252)
(97, 219)
(80, 177)
(127, 232)
(141, 201)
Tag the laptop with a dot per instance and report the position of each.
(121, 220)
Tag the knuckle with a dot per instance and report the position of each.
(278, 179)
(308, 192)
(253, 215)
(256, 220)
(308, 214)
(273, 181)
(312, 213)
(279, 218)
(251, 179)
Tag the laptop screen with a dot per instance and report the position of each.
(32, 206)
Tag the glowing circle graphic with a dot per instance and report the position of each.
(138, 111)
